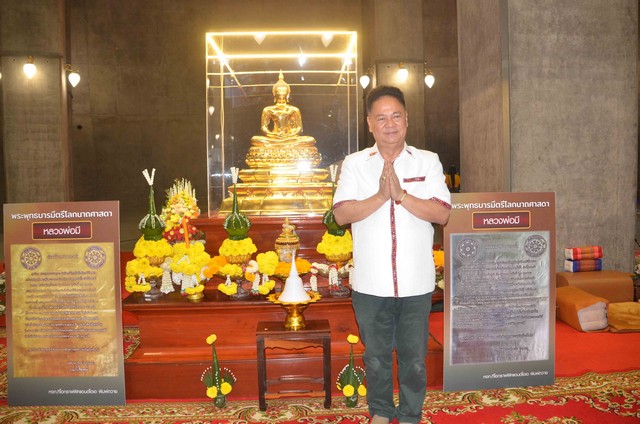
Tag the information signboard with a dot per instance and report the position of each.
(64, 321)
(499, 291)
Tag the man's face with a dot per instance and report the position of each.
(388, 121)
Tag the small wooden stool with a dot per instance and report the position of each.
(272, 334)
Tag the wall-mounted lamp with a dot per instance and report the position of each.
(29, 68)
(429, 79)
(403, 73)
(74, 76)
(365, 78)
(211, 110)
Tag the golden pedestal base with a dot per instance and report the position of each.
(283, 175)
(295, 319)
(280, 198)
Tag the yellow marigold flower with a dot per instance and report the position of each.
(212, 392)
(228, 290)
(225, 388)
(348, 390)
(303, 266)
(263, 290)
(199, 288)
(190, 290)
(362, 391)
(129, 283)
(232, 270)
(212, 339)
(353, 339)
(438, 258)
(267, 262)
(335, 245)
(270, 284)
(249, 276)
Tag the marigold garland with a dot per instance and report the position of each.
(335, 245)
(150, 248)
(237, 247)
(284, 268)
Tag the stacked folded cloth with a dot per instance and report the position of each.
(587, 258)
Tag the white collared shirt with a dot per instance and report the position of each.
(392, 248)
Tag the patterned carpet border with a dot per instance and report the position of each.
(590, 398)
(616, 394)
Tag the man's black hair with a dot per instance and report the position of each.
(384, 90)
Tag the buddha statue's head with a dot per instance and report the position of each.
(281, 89)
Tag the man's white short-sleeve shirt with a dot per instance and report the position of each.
(391, 244)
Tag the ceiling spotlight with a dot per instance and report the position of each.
(326, 39)
(29, 68)
(259, 37)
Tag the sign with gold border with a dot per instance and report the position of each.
(499, 291)
(64, 321)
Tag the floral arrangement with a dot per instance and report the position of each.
(218, 381)
(336, 248)
(257, 271)
(187, 265)
(236, 224)
(328, 219)
(351, 378)
(332, 271)
(138, 272)
(237, 248)
(150, 250)
(180, 209)
(284, 268)
(438, 260)
(218, 265)
(267, 263)
(336, 243)
(151, 225)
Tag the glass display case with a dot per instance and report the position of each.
(281, 108)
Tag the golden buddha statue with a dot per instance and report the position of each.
(282, 145)
(282, 177)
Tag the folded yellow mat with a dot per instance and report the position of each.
(624, 317)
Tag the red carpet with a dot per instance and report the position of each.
(602, 396)
(578, 352)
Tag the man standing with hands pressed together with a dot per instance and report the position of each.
(391, 194)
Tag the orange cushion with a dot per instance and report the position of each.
(615, 286)
(581, 310)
